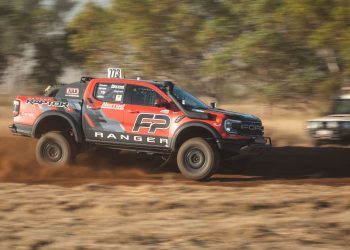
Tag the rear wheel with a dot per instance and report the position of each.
(198, 159)
(55, 149)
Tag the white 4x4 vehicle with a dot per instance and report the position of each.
(334, 127)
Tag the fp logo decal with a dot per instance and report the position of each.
(152, 122)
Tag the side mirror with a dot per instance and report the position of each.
(213, 105)
(160, 102)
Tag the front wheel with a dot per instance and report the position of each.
(198, 159)
(55, 149)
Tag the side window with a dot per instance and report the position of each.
(138, 95)
(108, 92)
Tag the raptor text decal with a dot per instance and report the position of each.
(57, 104)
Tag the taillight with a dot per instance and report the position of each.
(15, 111)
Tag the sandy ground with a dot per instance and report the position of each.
(174, 216)
(293, 197)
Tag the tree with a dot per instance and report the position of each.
(284, 48)
(29, 24)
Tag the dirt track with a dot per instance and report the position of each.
(292, 197)
(115, 202)
(289, 165)
(174, 216)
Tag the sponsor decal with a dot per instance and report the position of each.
(117, 86)
(72, 92)
(118, 98)
(115, 106)
(152, 122)
(122, 137)
(110, 92)
(27, 114)
(57, 104)
(164, 111)
(118, 91)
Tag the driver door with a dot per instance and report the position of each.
(144, 119)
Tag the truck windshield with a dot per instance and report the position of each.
(188, 101)
(341, 106)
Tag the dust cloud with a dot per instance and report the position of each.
(17, 163)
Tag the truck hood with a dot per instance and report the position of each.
(237, 116)
(333, 118)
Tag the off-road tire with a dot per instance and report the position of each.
(55, 149)
(198, 159)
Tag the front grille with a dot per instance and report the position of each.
(249, 128)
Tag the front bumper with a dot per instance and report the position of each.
(330, 134)
(245, 147)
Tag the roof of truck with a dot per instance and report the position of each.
(87, 79)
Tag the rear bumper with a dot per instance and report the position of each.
(19, 129)
(13, 128)
(246, 147)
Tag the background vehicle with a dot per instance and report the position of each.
(143, 116)
(334, 127)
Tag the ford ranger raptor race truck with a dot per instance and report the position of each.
(335, 126)
(144, 116)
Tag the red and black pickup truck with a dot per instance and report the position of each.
(145, 116)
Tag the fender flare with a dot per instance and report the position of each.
(180, 129)
(51, 113)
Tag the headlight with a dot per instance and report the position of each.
(314, 125)
(332, 124)
(232, 126)
(345, 125)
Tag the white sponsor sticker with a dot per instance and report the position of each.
(118, 98)
(115, 86)
(74, 92)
